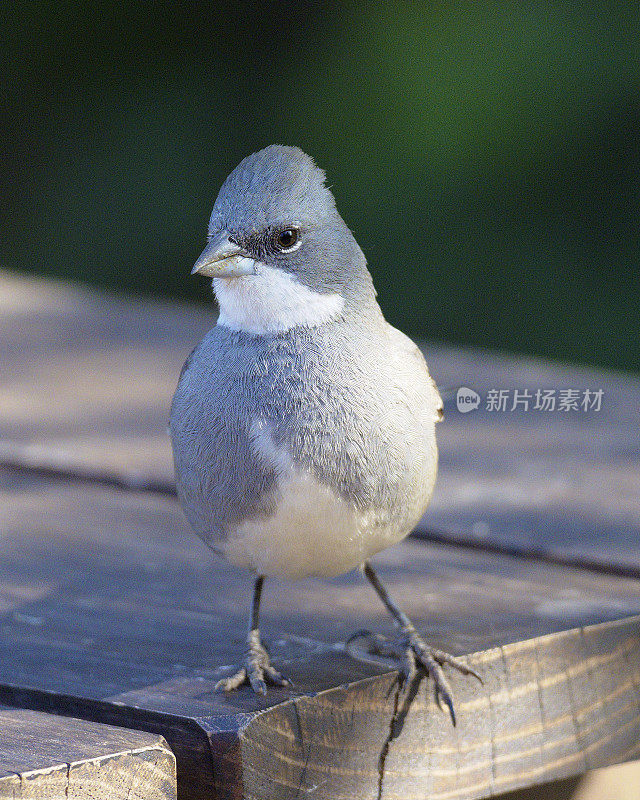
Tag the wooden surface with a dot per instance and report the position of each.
(113, 611)
(43, 757)
(87, 379)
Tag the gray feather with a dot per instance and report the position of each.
(281, 186)
(344, 400)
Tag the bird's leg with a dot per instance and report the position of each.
(412, 650)
(257, 670)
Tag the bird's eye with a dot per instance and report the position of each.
(287, 240)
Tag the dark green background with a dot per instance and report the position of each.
(486, 155)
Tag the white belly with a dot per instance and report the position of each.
(312, 532)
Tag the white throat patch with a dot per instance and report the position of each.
(272, 301)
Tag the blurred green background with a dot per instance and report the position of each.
(486, 155)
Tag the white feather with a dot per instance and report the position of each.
(313, 530)
(272, 301)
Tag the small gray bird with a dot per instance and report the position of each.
(303, 425)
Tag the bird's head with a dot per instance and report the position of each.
(279, 252)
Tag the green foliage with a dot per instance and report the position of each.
(486, 155)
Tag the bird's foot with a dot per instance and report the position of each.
(416, 658)
(257, 671)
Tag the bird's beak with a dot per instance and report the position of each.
(223, 259)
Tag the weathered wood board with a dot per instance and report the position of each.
(46, 757)
(562, 483)
(114, 611)
(87, 378)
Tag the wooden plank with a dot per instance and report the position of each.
(313, 744)
(114, 611)
(87, 380)
(562, 483)
(48, 757)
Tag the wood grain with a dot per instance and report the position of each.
(113, 611)
(44, 757)
(550, 708)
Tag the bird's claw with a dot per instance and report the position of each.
(257, 672)
(415, 656)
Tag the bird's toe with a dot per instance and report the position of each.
(457, 663)
(256, 681)
(257, 673)
(276, 678)
(232, 682)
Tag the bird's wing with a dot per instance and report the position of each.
(408, 347)
(220, 478)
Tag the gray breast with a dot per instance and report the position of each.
(350, 403)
